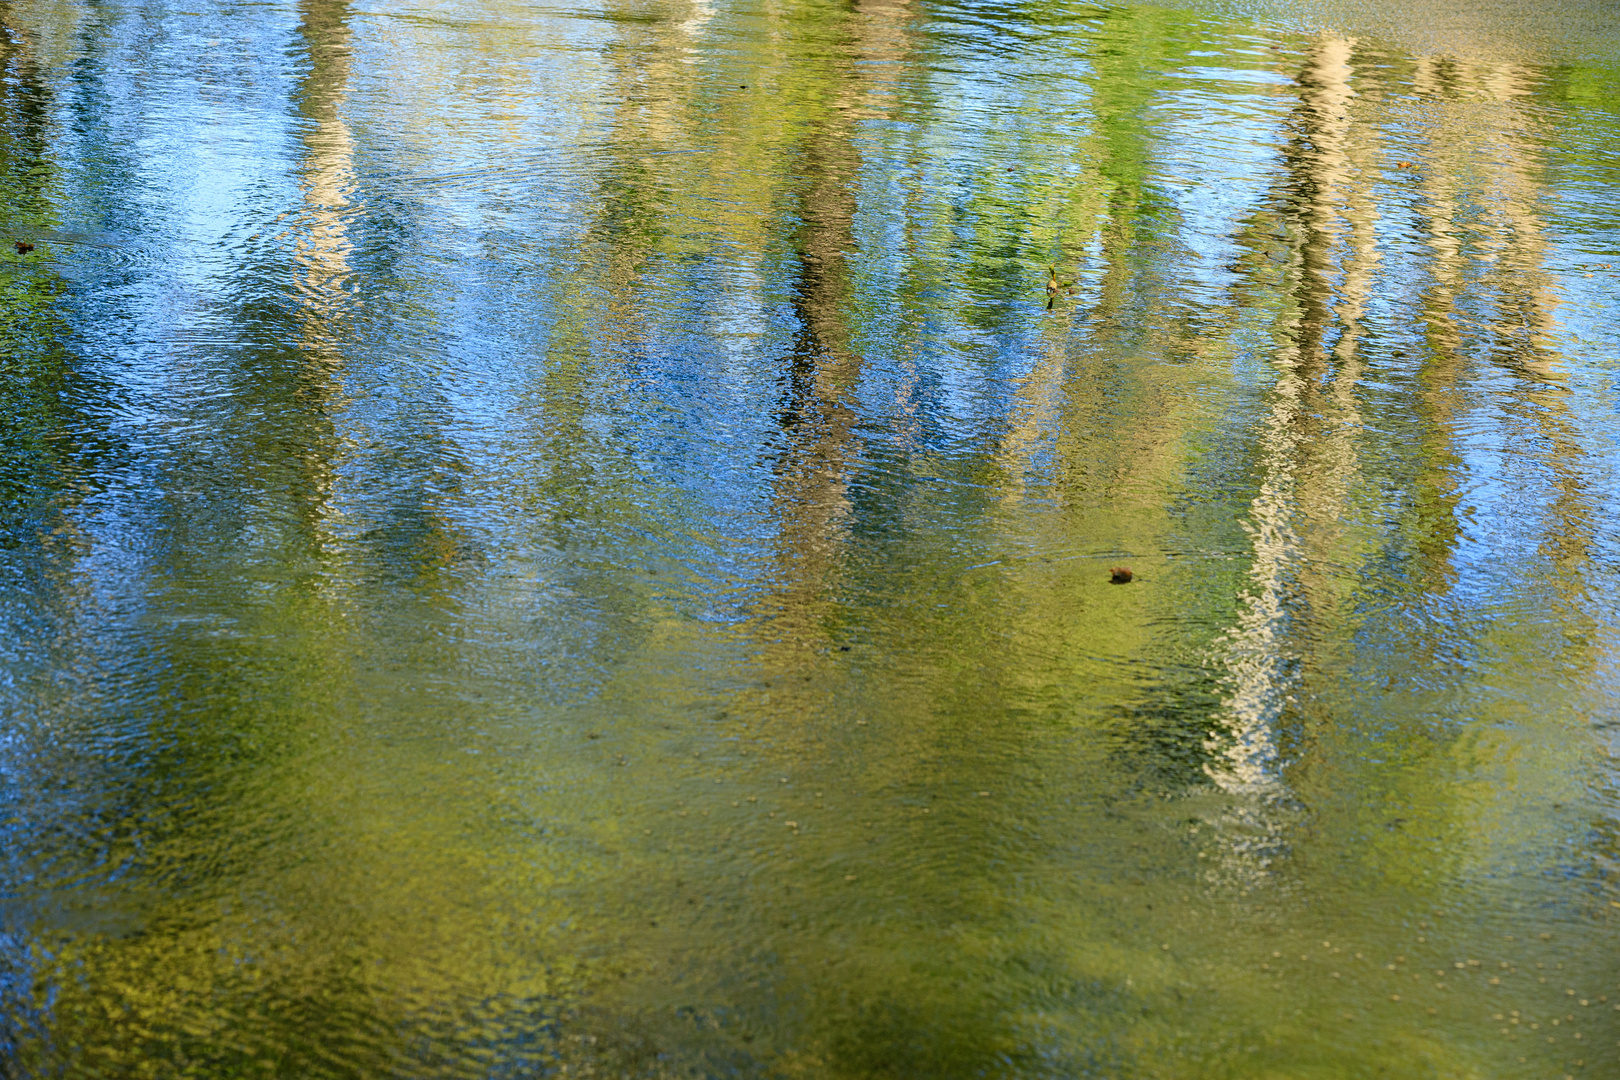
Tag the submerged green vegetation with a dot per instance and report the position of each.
(577, 541)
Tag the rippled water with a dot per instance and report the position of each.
(547, 541)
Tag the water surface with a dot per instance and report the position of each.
(544, 541)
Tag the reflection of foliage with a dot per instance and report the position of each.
(47, 442)
(1170, 737)
(632, 208)
(995, 228)
(46, 438)
(222, 1012)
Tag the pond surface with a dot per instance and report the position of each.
(543, 541)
